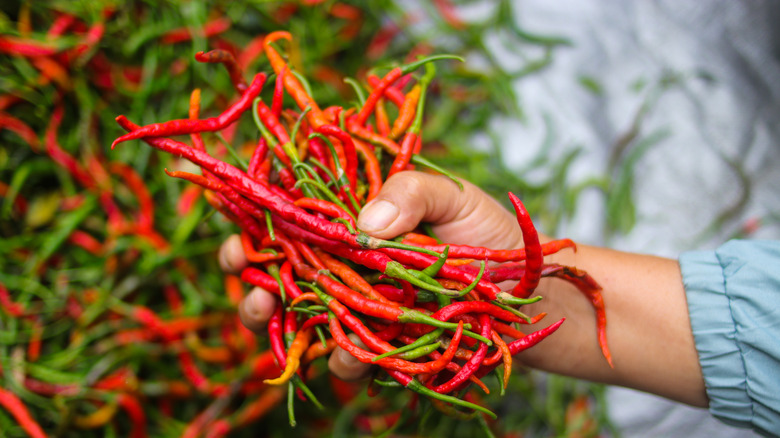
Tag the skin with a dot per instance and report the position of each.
(648, 327)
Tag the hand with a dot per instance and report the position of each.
(469, 217)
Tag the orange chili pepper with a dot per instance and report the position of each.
(406, 112)
(294, 353)
(98, 418)
(291, 83)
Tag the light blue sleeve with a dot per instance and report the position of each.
(734, 302)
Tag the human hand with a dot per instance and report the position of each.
(467, 216)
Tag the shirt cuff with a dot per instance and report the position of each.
(732, 301)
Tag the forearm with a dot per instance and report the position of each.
(648, 328)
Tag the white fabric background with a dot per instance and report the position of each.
(685, 181)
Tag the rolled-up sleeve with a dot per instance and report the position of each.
(734, 303)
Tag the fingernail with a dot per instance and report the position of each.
(377, 216)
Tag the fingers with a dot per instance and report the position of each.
(468, 216)
(232, 259)
(344, 366)
(256, 309)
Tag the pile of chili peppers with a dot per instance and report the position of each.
(428, 316)
(114, 319)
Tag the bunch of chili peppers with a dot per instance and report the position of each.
(428, 316)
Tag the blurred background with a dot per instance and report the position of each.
(644, 126)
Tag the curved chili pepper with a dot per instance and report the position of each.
(187, 126)
(291, 83)
(317, 350)
(393, 94)
(390, 363)
(276, 335)
(351, 278)
(524, 343)
(19, 411)
(294, 353)
(350, 154)
(506, 356)
(225, 58)
(135, 411)
(260, 279)
(21, 129)
(26, 47)
(473, 364)
(592, 290)
(98, 417)
(534, 254)
(243, 207)
(253, 255)
(406, 113)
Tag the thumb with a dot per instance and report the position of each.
(467, 216)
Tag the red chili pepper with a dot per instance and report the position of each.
(391, 363)
(259, 278)
(12, 308)
(239, 207)
(478, 307)
(351, 278)
(470, 367)
(26, 47)
(135, 411)
(413, 133)
(534, 254)
(393, 94)
(524, 343)
(187, 126)
(322, 318)
(257, 191)
(278, 99)
(350, 154)
(482, 253)
(21, 129)
(19, 411)
(253, 255)
(210, 29)
(276, 335)
(366, 134)
(60, 24)
(285, 273)
(592, 290)
(327, 208)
